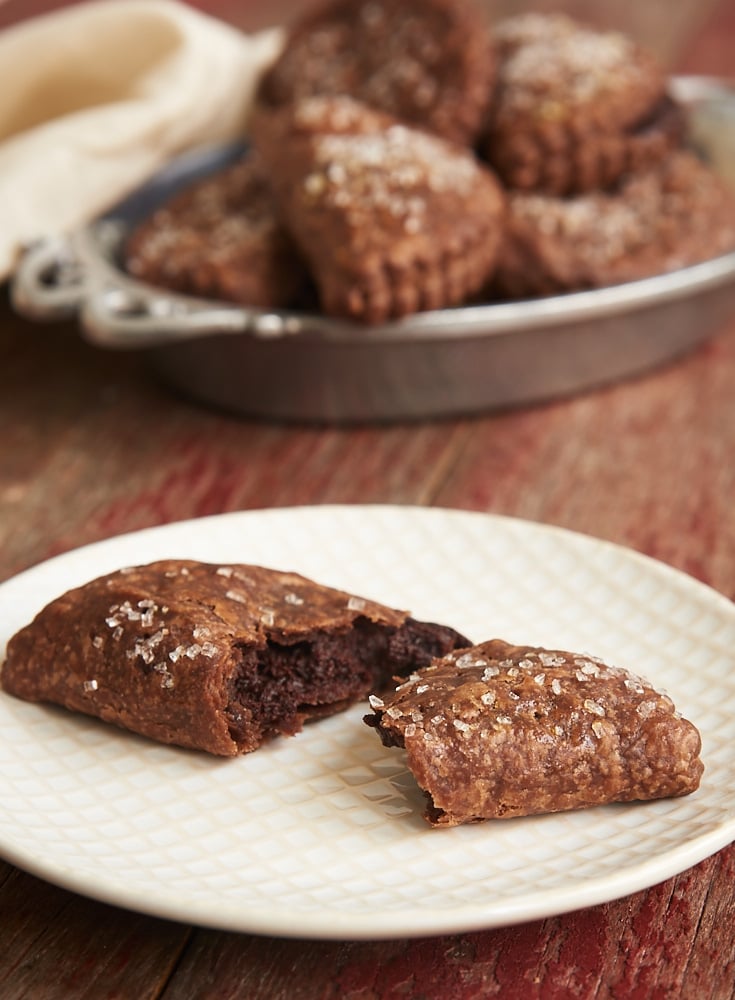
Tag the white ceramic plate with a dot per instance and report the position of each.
(321, 835)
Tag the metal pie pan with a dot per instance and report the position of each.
(297, 366)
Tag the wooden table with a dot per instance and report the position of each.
(92, 446)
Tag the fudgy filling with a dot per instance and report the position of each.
(276, 688)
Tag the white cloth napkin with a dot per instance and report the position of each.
(97, 97)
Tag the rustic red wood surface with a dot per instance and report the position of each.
(92, 446)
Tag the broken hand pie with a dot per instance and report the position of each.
(213, 657)
(498, 731)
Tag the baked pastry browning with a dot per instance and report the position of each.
(673, 215)
(220, 238)
(391, 220)
(426, 62)
(575, 108)
(213, 657)
(497, 731)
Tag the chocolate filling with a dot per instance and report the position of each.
(279, 686)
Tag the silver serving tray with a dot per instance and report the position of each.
(297, 366)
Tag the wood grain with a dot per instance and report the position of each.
(578, 464)
(58, 945)
(647, 463)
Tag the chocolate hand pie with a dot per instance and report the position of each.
(216, 658)
(575, 108)
(670, 216)
(220, 238)
(497, 731)
(391, 220)
(426, 62)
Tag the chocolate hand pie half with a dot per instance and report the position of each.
(213, 657)
(391, 220)
(497, 731)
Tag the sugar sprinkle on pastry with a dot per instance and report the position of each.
(500, 731)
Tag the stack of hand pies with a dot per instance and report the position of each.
(407, 155)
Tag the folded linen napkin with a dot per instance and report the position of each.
(98, 96)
